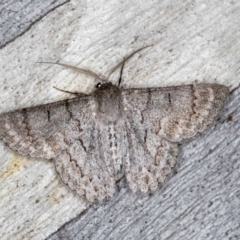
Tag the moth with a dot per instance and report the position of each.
(94, 140)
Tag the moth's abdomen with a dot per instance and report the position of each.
(118, 148)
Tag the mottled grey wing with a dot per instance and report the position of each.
(157, 119)
(95, 161)
(67, 132)
(38, 131)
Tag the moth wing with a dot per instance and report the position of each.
(91, 168)
(41, 131)
(157, 119)
(67, 132)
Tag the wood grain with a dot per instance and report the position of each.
(17, 17)
(191, 41)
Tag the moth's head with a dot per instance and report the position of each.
(106, 87)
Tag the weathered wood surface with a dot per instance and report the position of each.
(192, 41)
(17, 17)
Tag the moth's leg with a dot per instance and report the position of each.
(123, 62)
(74, 93)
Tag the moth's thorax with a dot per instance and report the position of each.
(108, 103)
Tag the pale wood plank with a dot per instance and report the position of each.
(192, 41)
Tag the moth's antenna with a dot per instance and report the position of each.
(93, 74)
(80, 70)
(74, 93)
(125, 59)
(121, 71)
